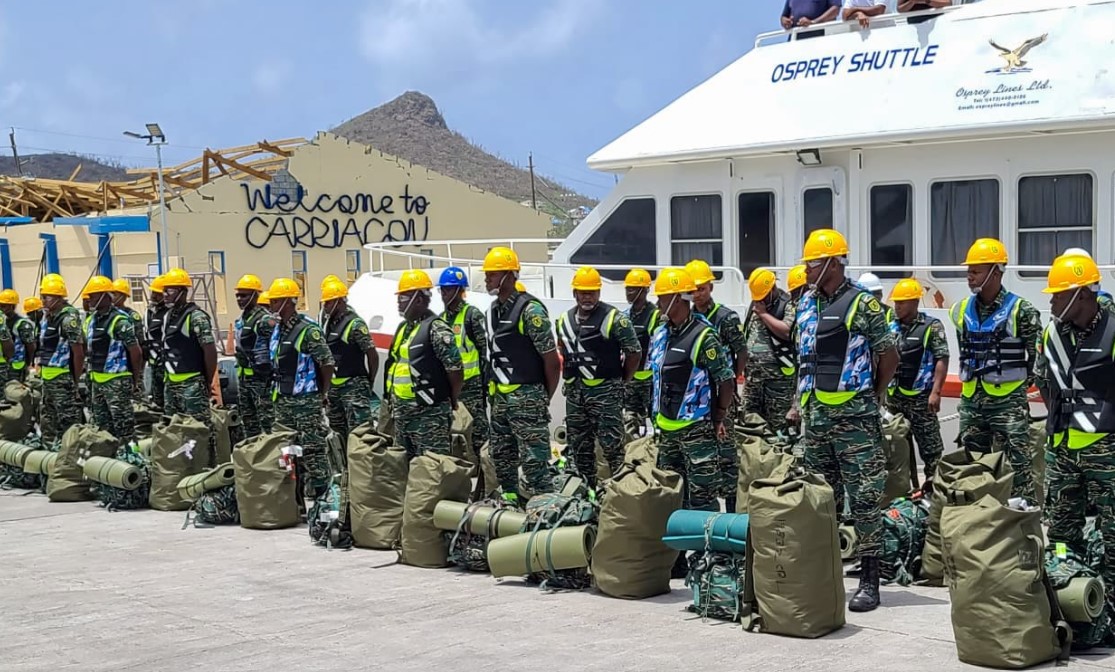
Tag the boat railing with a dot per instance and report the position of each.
(839, 27)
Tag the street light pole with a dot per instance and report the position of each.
(155, 136)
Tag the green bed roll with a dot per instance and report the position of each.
(846, 534)
(40, 462)
(192, 487)
(447, 516)
(14, 454)
(111, 472)
(548, 550)
(1082, 600)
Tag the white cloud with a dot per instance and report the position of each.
(268, 78)
(11, 94)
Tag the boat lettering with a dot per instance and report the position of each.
(863, 61)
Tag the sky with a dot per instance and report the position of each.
(559, 78)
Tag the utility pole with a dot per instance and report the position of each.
(15, 154)
(533, 195)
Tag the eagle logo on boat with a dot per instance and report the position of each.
(1014, 57)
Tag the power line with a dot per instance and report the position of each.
(97, 137)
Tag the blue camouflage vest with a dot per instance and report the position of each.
(301, 378)
(106, 353)
(682, 391)
(835, 362)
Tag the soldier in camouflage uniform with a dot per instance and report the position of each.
(114, 363)
(1076, 369)
(840, 387)
(153, 328)
(525, 370)
(302, 367)
(645, 318)
(472, 342)
(923, 365)
(769, 362)
(22, 333)
(61, 354)
(350, 394)
(426, 374)
(191, 354)
(253, 357)
(998, 334)
(600, 353)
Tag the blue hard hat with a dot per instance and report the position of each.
(453, 277)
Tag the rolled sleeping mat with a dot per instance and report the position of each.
(1082, 600)
(14, 454)
(547, 550)
(560, 434)
(40, 462)
(114, 473)
(699, 530)
(486, 521)
(846, 534)
(192, 487)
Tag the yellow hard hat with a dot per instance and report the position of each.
(176, 277)
(699, 272)
(31, 304)
(907, 289)
(157, 284)
(587, 279)
(284, 288)
(250, 282)
(500, 259)
(264, 298)
(329, 279)
(1071, 271)
(796, 278)
(824, 244)
(520, 287)
(9, 297)
(121, 286)
(53, 285)
(986, 251)
(414, 279)
(334, 290)
(674, 281)
(637, 277)
(98, 284)
(761, 282)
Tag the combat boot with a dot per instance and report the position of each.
(866, 597)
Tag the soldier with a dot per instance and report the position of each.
(115, 362)
(264, 300)
(525, 371)
(427, 374)
(472, 342)
(796, 283)
(769, 360)
(325, 282)
(302, 367)
(61, 355)
(350, 391)
(693, 391)
(191, 354)
(841, 331)
(644, 318)
(121, 290)
(1103, 295)
(873, 284)
(253, 357)
(1076, 366)
(998, 333)
(156, 316)
(600, 353)
(923, 365)
(22, 333)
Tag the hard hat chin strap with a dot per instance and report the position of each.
(1060, 317)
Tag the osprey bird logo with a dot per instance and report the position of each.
(1014, 57)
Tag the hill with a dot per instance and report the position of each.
(60, 166)
(411, 127)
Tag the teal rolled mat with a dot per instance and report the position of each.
(699, 530)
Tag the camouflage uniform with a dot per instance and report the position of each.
(984, 416)
(422, 428)
(474, 392)
(638, 393)
(844, 443)
(153, 327)
(191, 396)
(693, 450)
(303, 413)
(22, 331)
(350, 399)
(61, 406)
(925, 428)
(768, 391)
(730, 332)
(594, 409)
(111, 399)
(254, 371)
(6, 373)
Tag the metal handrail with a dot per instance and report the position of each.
(839, 26)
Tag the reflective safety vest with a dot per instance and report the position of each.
(1082, 384)
(54, 351)
(513, 357)
(184, 356)
(294, 372)
(251, 358)
(587, 348)
(644, 326)
(915, 360)
(784, 352)
(108, 359)
(351, 360)
(419, 374)
(892, 321)
(991, 350)
(682, 390)
(19, 348)
(835, 363)
(470, 356)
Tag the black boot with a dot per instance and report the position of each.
(681, 567)
(730, 504)
(866, 597)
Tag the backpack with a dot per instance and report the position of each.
(121, 484)
(1080, 591)
(717, 581)
(905, 523)
(569, 507)
(476, 526)
(327, 516)
(216, 507)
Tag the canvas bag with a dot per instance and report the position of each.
(17, 415)
(758, 458)
(377, 479)
(432, 478)
(170, 460)
(266, 486)
(67, 479)
(222, 420)
(896, 447)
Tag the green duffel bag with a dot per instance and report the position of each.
(1003, 611)
(17, 413)
(67, 477)
(385, 424)
(629, 559)
(432, 478)
(758, 458)
(794, 583)
(460, 437)
(1038, 441)
(146, 417)
(179, 448)
(266, 487)
(896, 447)
(641, 449)
(221, 423)
(962, 478)
(377, 481)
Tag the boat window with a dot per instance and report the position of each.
(696, 229)
(892, 227)
(756, 230)
(628, 236)
(960, 211)
(816, 209)
(1055, 212)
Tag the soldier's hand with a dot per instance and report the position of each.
(759, 308)
(793, 416)
(721, 431)
(454, 404)
(935, 402)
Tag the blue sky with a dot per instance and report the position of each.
(560, 78)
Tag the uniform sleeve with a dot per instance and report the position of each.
(1029, 329)
(70, 328)
(201, 328)
(872, 323)
(537, 327)
(26, 332)
(711, 358)
(5, 332)
(938, 342)
(731, 334)
(477, 331)
(623, 333)
(314, 345)
(445, 346)
(126, 333)
(359, 335)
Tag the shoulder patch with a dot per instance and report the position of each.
(446, 339)
(710, 353)
(536, 321)
(873, 304)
